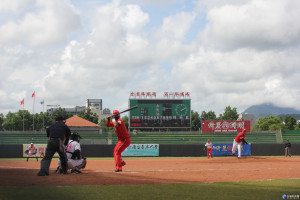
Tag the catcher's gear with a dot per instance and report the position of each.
(244, 141)
(75, 136)
(76, 155)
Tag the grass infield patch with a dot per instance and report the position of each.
(268, 189)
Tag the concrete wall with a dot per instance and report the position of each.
(180, 150)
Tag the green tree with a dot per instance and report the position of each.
(196, 122)
(61, 112)
(267, 124)
(9, 122)
(25, 117)
(290, 123)
(297, 127)
(104, 127)
(13, 122)
(1, 121)
(208, 116)
(125, 120)
(229, 114)
(42, 120)
(89, 115)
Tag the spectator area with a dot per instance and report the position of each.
(148, 138)
(292, 136)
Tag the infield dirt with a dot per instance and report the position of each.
(155, 171)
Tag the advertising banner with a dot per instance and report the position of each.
(141, 150)
(225, 149)
(41, 149)
(225, 126)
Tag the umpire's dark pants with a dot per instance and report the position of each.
(54, 145)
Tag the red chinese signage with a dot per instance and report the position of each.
(225, 126)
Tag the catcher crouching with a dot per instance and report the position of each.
(75, 159)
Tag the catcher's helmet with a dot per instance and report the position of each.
(75, 136)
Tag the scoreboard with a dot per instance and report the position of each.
(160, 113)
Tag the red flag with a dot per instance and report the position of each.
(22, 102)
(33, 94)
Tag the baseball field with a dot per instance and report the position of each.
(157, 178)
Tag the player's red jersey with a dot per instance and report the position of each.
(120, 130)
(240, 137)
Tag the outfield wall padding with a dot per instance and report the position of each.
(11, 151)
(165, 150)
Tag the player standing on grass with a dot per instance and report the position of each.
(209, 147)
(237, 143)
(123, 137)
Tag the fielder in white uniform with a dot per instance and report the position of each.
(75, 159)
(210, 148)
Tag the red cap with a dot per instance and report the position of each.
(244, 130)
(115, 112)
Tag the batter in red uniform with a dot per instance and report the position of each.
(123, 137)
(237, 143)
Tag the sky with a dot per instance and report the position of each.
(234, 53)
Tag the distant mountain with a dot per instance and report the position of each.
(268, 109)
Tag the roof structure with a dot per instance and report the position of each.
(76, 121)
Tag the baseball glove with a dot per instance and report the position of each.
(244, 141)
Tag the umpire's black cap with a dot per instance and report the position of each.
(59, 118)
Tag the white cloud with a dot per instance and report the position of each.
(243, 73)
(175, 27)
(257, 24)
(246, 53)
(15, 7)
(48, 23)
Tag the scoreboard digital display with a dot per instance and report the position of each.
(160, 113)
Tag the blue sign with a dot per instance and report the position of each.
(141, 150)
(225, 149)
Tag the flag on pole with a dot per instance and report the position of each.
(42, 102)
(22, 102)
(33, 94)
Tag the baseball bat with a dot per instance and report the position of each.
(129, 109)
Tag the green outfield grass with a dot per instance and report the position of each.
(252, 190)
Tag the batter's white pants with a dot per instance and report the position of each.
(238, 146)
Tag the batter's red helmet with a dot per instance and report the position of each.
(116, 113)
(244, 130)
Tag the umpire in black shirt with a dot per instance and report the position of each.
(57, 133)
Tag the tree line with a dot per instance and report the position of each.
(23, 120)
(270, 123)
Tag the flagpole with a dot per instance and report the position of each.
(43, 115)
(33, 95)
(23, 115)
